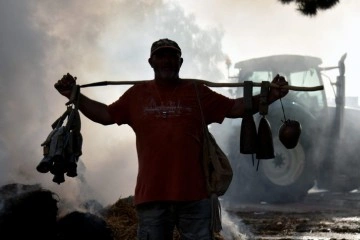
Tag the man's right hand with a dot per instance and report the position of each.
(65, 84)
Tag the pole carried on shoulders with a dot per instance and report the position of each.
(62, 147)
(207, 83)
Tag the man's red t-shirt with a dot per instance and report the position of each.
(167, 124)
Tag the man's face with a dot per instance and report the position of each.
(166, 63)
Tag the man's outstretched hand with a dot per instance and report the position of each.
(276, 93)
(65, 84)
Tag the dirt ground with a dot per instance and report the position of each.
(322, 216)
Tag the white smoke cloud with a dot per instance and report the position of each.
(95, 41)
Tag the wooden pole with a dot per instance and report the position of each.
(207, 83)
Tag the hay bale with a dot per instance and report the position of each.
(122, 219)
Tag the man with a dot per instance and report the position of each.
(165, 116)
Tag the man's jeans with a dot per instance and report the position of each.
(157, 220)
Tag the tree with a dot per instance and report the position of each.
(311, 7)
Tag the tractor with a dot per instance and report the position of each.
(326, 156)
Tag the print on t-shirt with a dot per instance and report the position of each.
(166, 109)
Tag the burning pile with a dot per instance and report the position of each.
(33, 212)
(27, 211)
(30, 212)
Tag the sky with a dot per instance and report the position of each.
(259, 28)
(41, 40)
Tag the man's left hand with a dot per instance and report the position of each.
(276, 93)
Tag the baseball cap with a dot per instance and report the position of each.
(164, 43)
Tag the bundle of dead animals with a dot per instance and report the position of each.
(62, 147)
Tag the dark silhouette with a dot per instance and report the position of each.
(29, 212)
(311, 7)
(166, 118)
(80, 225)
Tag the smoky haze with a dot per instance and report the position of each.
(110, 41)
(42, 40)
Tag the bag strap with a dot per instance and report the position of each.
(215, 223)
(201, 110)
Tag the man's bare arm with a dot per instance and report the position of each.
(95, 111)
(238, 110)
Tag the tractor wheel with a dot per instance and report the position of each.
(291, 173)
(289, 176)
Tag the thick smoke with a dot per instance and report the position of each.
(42, 40)
(24, 104)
